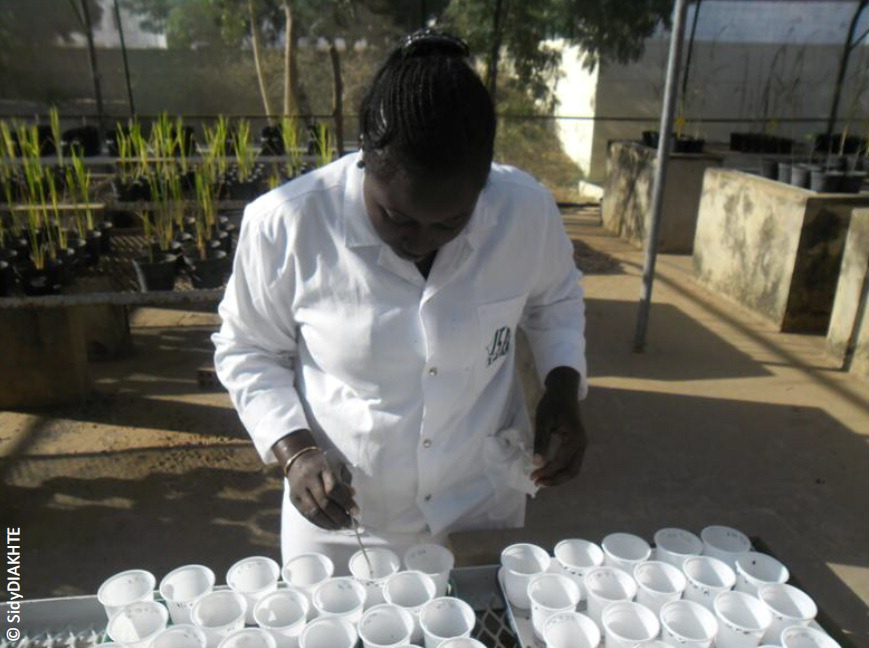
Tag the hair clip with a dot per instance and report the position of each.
(428, 41)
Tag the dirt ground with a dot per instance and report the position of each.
(722, 420)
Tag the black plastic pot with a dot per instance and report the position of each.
(801, 175)
(783, 172)
(651, 138)
(769, 168)
(84, 139)
(7, 279)
(852, 182)
(36, 282)
(68, 265)
(94, 247)
(156, 274)
(79, 247)
(688, 145)
(106, 228)
(833, 143)
(211, 272)
(246, 190)
(134, 190)
(271, 141)
(826, 181)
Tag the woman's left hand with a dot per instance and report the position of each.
(558, 414)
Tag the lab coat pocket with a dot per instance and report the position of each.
(498, 321)
(507, 462)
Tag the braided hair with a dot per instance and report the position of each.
(427, 112)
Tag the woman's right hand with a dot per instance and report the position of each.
(315, 490)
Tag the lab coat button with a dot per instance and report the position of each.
(433, 371)
(426, 443)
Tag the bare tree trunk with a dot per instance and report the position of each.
(843, 65)
(337, 99)
(290, 68)
(495, 54)
(256, 42)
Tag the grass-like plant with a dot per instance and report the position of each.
(82, 189)
(215, 139)
(181, 144)
(324, 152)
(244, 153)
(148, 229)
(139, 148)
(125, 153)
(54, 118)
(292, 144)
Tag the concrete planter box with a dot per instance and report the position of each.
(628, 195)
(848, 335)
(774, 248)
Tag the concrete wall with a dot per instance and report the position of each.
(575, 93)
(852, 293)
(774, 248)
(626, 209)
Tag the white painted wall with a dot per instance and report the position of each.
(575, 93)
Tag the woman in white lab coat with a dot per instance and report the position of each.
(369, 324)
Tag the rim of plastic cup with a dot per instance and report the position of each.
(749, 601)
(717, 531)
(428, 581)
(292, 592)
(639, 609)
(208, 596)
(149, 577)
(699, 611)
(693, 538)
(620, 574)
(592, 546)
(667, 567)
(570, 584)
(536, 550)
(257, 632)
(273, 566)
(161, 610)
(819, 638)
(209, 574)
(440, 549)
(317, 594)
(584, 620)
(321, 558)
(763, 558)
(764, 590)
(177, 629)
(633, 539)
(461, 642)
(406, 619)
(394, 560)
(331, 620)
(467, 613)
(717, 563)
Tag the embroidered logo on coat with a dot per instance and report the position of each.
(500, 345)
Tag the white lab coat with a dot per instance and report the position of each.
(406, 379)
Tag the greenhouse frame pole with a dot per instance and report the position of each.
(666, 131)
(126, 63)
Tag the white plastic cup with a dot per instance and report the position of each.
(707, 578)
(463, 642)
(182, 635)
(724, 543)
(384, 563)
(576, 556)
(342, 597)
(253, 577)
(136, 625)
(658, 583)
(626, 624)
(218, 614)
(570, 630)
(283, 613)
(687, 624)
(410, 590)
(550, 594)
(248, 638)
(625, 551)
(445, 618)
(788, 605)
(305, 571)
(606, 585)
(434, 560)
(674, 545)
(131, 586)
(522, 562)
(386, 626)
(742, 620)
(328, 632)
(806, 637)
(182, 586)
(754, 569)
